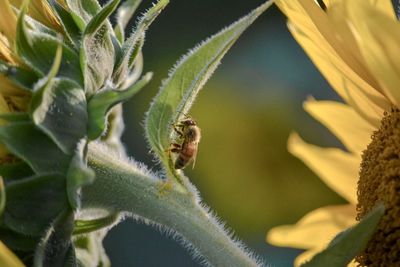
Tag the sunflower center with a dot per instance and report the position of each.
(380, 182)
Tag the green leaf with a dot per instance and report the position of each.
(56, 248)
(32, 204)
(70, 27)
(97, 53)
(15, 171)
(97, 21)
(87, 226)
(78, 175)
(27, 142)
(134, 44)
(82, 11)
(37, 50)
(349, 243)
(124, 14)
(20, 77)
(102, 102)
(178, 92)
(62, 113)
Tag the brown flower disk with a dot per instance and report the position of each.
(380, 182)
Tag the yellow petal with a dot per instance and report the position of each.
(336, 168)
(343, 79)
(41, 11)
(307, 255)
(378, 40)
(8, 88)
(334, 56)
(8, 20)
(7, 258)
(314, 22)
(316, 229)
(384, 6)
(352, 130)
(5, 50)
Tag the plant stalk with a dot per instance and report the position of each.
(122, 186)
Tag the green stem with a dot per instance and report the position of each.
(122, 186)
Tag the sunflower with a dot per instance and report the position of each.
(355, 45)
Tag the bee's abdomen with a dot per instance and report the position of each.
(181, 162)
(185, 155)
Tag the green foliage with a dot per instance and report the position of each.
(20, 77)
(71, 29)
(78, 175)
(100, 104)
(133, 45)
(38, 49)
(29, 210)
(349, 243)
(26, 141)
(97, 50)
(56, 248)
(178, 92)
(62, 114)
(83, 11)
(51, 138)
(87, 226)
(75, 77)
(124, 14)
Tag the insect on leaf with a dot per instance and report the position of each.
(179, 90)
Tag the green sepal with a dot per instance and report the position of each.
(39, 26)
(178, 92)
(56, 248)
(78, 175)
(32, 204)
(133, 43)
(83, 11)
(15, 171)
(124, 14)
(87, 226)
(37, 50)
(20, 77)
(103, 101)
(27, 142)
(97, 21)
(349, 243)
(62, 113)
(70, 27)
(96, 53)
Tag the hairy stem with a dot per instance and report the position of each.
(122, 186)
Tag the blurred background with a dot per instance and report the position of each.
(246, 112)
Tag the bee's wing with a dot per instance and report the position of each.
(194, 157)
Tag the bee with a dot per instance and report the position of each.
(190, 135)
